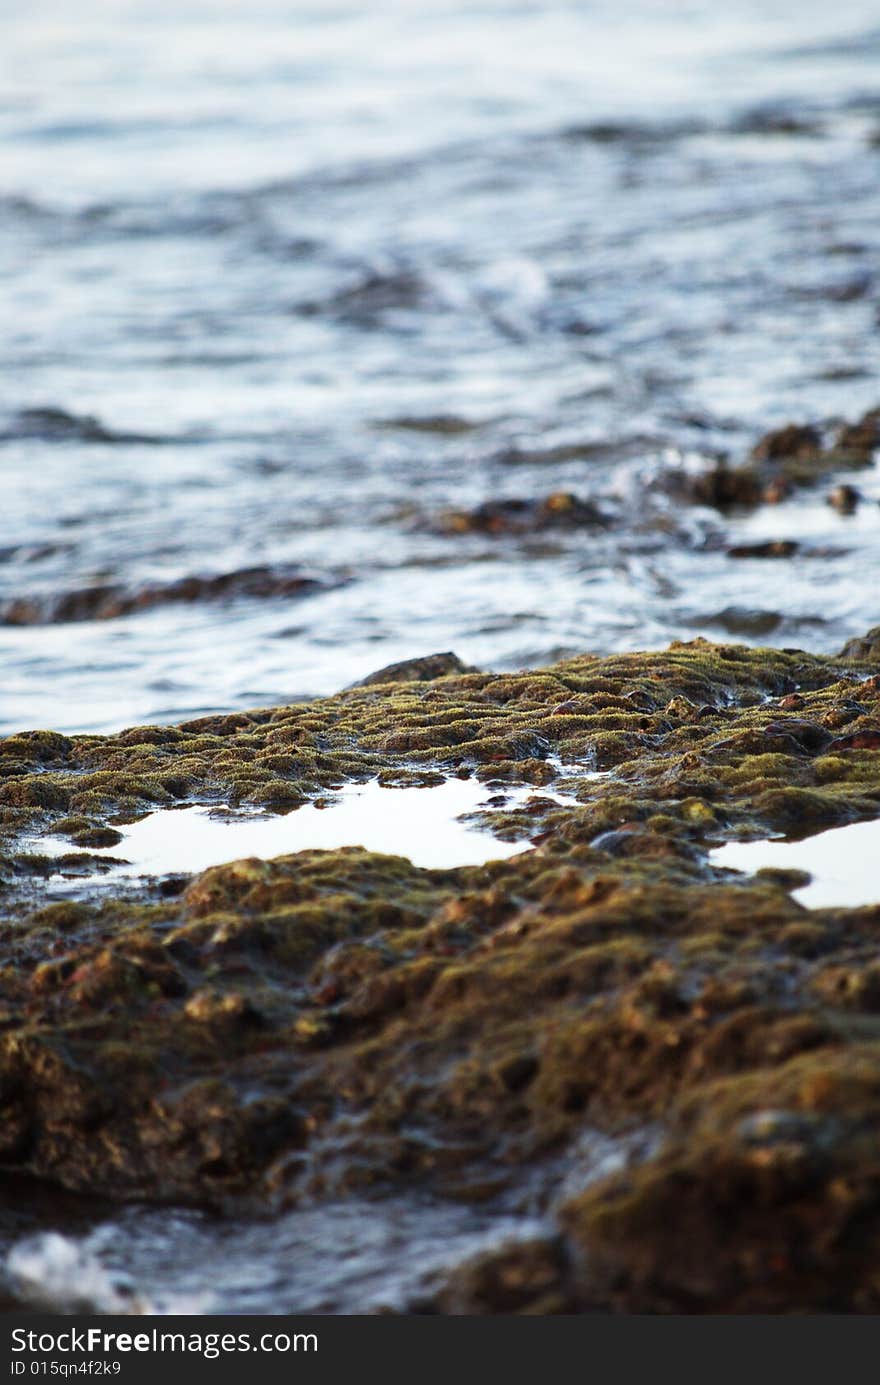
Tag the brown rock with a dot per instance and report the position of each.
(422, 669)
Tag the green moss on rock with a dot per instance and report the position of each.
(271, 1031)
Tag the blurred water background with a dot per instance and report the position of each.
(289, 290)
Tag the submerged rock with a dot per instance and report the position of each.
(769, 548)
(856, 443)
(784, 460)
(794, 442)
(561, 510)
(845, 499)
(109, 601)
(676, 1066)
(51, 424)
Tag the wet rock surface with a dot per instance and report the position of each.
(51, 424)
(416, 670)
(788, 459)
(270, 1034)
(561, 510)
(109, 601)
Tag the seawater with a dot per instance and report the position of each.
(427, 824)
(280, 284)
(841, 862)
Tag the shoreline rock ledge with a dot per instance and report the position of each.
(676, 1067)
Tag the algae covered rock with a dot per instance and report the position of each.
(676, 1066)
(416, 670)
(866, 647)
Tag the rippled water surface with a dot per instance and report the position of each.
(282, 285)
(348, 1255)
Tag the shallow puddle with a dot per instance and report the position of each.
(422, 823)
(843, 863)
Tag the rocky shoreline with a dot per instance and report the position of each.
(675, 1066)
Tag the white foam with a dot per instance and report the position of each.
(50, 1270)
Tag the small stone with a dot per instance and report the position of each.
(213, 1007)
(805, 734)
(859, 740)
(794, 440)
(845, 499)
(772, 548)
